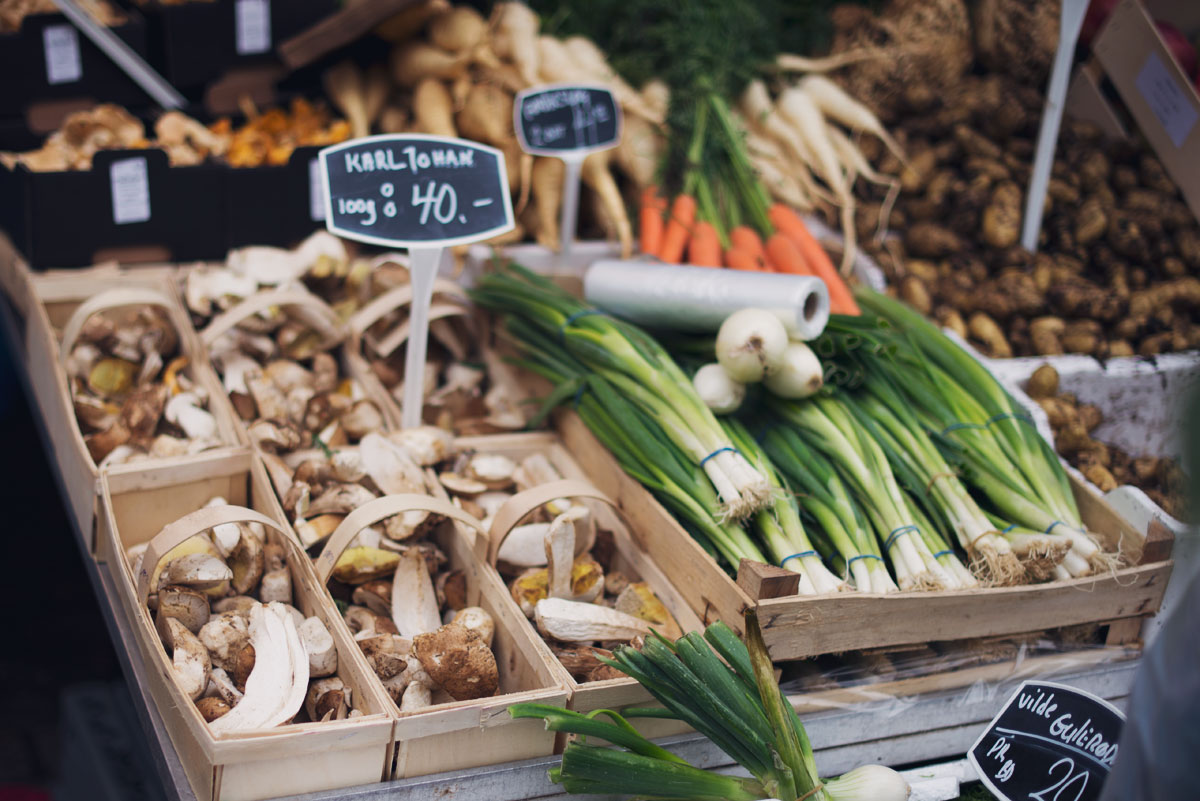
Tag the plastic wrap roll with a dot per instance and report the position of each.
(700, 298)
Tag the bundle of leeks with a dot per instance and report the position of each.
(725, 690)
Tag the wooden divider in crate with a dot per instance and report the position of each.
(456, 735)
(627, 557)
(58, 306)
(252, 765)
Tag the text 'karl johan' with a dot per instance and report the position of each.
(384, 159)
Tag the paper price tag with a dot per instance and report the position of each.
(562, 119)
(252, 24)
(415, 191)
(130, 191)
(316, 195)
(1050, 741)
(61, 43)
(1168, 102)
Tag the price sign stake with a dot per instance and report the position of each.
(424, 193)
(568, 122)
(1050, 742)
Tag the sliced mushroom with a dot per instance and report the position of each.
(288, 375)
(374, 595)
(199, 570)
(316, 529)
(341, 499)
(241, 604)
(581, 660)
(362, 564)
(525, 546)
(560, 556)
(427, 445)
(224, 635)
(477, 620)
(390, 466)
(185, 604)
(276, 434)
(247, 563)
(269, 399)
(572, 621)
(318, 644)
(347, 466)
(529, 588)
(221, 685)
(640, 601)
(189, 659)
(414, 601)
(458, 661)
(326, 696)
(492, 469)
(185, 411)
(615, 582)
(269, 684)
(362, 418)
(460, 485)
(386, 653)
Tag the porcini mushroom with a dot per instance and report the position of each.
(639, 600)
(189, 659)
(572, 621)
(318, 644)
(185, 604)
(374, 595)
(185, 411)
(458, 661)
(247, 563)
(276, 586)
(326, 697)
(477, 619)
(224, 635)
(414, 602)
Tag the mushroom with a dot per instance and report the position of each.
(212, 707)
(247, 562)
(572, 621)
(386, 653)
(451, 587)
(189, 659)
(460, 485)
(478, 620)
(221, 685)
(458, 661)
(243, 664)
(347, 466)
(142, 409)
(529, 588)
(361, 419)
(276, 586)
(560, 557)
(276, 685)
(325, 373)
(427, 445)
(639, 600)
(414, 602)
(362, 564)
(225, 635)
(326, 697)
(276, 434)
(198, 570)
(185, 604)
(318, 644)
(316, 529)
(269, 399)
(241, 604)
(375, 595)
(204, 285)
(416, 696)
(390, 466)
(288, 375)
(184, 410)
(94, 413)
(494, 470)
(341, 499)
(525, 546)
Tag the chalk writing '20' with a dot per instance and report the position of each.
(1070, 779)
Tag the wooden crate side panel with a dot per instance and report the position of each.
(1102, 521)
(795, 628)
(326, 769)
(469, 748)
(143, 513)
(708, 589)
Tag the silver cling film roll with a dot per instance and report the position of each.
(700, 298)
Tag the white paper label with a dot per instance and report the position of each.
(1169, 103)
(316, 194)
(61, 43)
(130, 191)
(252, 20)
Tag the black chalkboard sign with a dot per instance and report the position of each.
(408, 190)
(1050, 742)
(560, 119)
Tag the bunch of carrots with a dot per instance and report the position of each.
(790, 248)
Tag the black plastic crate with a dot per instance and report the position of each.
(274, 205)
(128, 199)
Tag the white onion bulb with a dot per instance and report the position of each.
(799, 376)
(718, 391)
(868, 783)
(750, 345)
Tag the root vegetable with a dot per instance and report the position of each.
(433, 109)
(984, 329)
(487, 115)
(835, 103)
(750, 345)
(799, 375)
(718, 391)
(516, 38)
(596, 175)
(414, 61)
(1043, 383)
(1002, 217)
(457, 30)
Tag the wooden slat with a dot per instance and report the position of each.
(767, 581)
(336, 30)
(800, 627)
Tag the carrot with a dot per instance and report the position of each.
(738, 259)
(787, 222)
(683, 214)
(704, 248)
(743, 237)
(651, 220)
(785, 256)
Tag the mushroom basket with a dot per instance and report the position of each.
(573, 564)
(118, 377)
(260, 687)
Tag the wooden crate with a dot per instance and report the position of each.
(247, 766)
(628, 557)
(795, 627)
(466, 734)
(58, 302)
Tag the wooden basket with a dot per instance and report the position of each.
(795, 627)
(246, 766)
(465, 734)
(628, 557)
(62, 302)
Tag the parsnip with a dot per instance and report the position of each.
(515, 38)
(487, 115)
(433, 110)
(457, 30)
(640, 150)
(344, 85)
(835, 103)
(406, 23)
(393, 119)
(597, 176)
(591, 61)
(555, 64)
(414, 61)
(376, 88)
(547, 196)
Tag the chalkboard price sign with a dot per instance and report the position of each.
(410, 191)
(1050, 742)
(560, 119)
